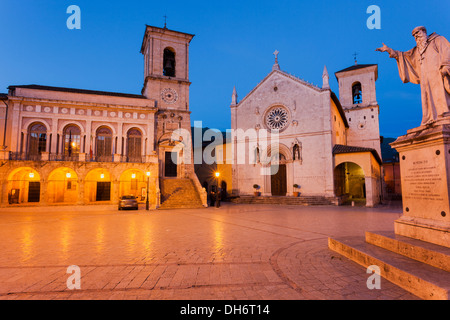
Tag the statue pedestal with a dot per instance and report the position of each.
(425, 178)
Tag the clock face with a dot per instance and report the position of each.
(169, 96)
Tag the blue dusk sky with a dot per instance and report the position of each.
(233, 46)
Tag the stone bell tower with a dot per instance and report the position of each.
(166, 67)
(357, 94)
(166, 81)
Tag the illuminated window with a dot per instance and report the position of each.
(72, 140)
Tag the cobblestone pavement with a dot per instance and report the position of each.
(237, 252)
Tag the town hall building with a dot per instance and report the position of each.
(75, 146)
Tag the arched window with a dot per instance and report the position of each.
(37, 139)
(72, 140)
(103, 144)
(357, 93)
(134, 145)
(169, 63)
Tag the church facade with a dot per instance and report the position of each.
(327, 147)
(74, 146)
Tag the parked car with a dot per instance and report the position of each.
(128, 202)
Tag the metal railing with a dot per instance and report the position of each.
(22, 156)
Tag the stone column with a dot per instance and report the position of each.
(4, 193)
(80, 200)
(43, 194)
(115, 191)
(4, 155)
(369, 191)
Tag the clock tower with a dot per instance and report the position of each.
(166, 67)
(166, 73)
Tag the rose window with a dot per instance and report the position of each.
(277, 118)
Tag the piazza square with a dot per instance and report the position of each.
(237, 252)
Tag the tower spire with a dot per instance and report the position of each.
(234, 97)
(325, 78)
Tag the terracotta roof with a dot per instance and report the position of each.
(82, 91)
(339, 148)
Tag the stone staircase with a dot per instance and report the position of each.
(419, 267)
(179, 193)
(300, 201)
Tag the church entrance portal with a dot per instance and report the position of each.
(278, 180)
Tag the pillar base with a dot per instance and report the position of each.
(425, 178)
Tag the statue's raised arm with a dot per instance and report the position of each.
(385, 48)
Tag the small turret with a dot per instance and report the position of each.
(234, 97)
(326, 79)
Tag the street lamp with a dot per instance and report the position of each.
(217, 174)
(147, 203)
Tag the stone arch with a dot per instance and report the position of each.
(65, 124)
(269, 152)
(27, 123)
(104, 143)
(37, 134)
(133, 182)
(128, 127)
(98, 185)
(135, 144)
(24, 185)
(62, 186)
(72, 142)
(107, 125)
(350, 181)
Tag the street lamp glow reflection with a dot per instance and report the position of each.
(133, 176)
(147, 200)
(31, 175)
(68, 175)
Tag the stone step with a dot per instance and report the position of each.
(429, 253)
(421, 279)
(303, 200)
(179, 193)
